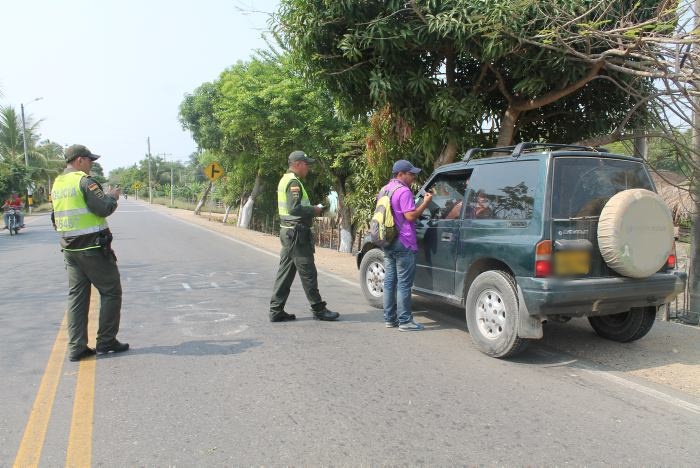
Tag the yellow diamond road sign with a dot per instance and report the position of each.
(137, 185)
(213, 171)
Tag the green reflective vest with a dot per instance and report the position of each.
(70, 211)
(282, 205)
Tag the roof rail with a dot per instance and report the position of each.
(501, 149)
(517, 150)
(520, 147)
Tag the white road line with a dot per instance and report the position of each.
(214, 285)
(641, 388)
(186, 286)
(577, 364)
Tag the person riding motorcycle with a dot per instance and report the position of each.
(13, 202)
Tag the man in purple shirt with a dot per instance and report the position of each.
(400, 256)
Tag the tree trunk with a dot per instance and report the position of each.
(344, 217)
(694, 261)
(506, 135)
(448, 154)
(203, 200)
(246, 215)
(228, 210)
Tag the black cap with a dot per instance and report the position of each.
(295, 156)
(76, 151)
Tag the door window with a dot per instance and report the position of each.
(448, 191)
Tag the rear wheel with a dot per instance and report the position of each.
(11, 225)
(493, 314)
(372, 277)
(626, 326)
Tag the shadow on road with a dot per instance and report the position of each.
(194, 348)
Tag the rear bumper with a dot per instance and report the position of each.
(598, 296)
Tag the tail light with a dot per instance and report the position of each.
(543, 259)
(671, 261)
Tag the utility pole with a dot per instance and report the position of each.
(150, 195)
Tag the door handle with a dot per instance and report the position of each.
(446, 236)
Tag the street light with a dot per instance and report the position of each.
(24, 142)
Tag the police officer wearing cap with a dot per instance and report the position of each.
(80, 209)
(297, 254)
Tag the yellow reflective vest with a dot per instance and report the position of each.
(70, 211)
(282, 202)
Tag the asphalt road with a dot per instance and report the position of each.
(210, 382)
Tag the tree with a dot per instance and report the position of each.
(453, 66)
(256, 114)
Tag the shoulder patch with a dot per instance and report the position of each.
(93, 186)
(295, 188)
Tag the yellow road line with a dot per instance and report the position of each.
(32, 443)
(79, 452)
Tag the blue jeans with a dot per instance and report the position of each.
(399, 273)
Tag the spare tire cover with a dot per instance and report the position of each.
(635, 233)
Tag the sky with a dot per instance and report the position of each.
(111, 74)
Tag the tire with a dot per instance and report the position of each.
(372, 278)
(11, 225)
(635, 233)
(493, 314)
(626, 326)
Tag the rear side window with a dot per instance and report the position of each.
(582, 186)
(503, 191)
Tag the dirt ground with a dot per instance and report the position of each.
(669, 355)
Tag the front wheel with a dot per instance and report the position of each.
(11, 226)
(626, 326)
(493, 314)
(372, 278)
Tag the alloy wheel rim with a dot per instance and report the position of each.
(375, 279)
(491, 314)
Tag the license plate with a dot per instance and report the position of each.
(574, 262)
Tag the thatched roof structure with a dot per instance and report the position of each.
(673, 188)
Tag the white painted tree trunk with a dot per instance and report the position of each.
(345, 221)
(203, 200)
(246, 213)
(345, 240)
(228, 210)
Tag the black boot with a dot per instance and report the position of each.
(325, 314)
(114, 347)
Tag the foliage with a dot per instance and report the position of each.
(14, 177)
(253, 116)
(449, 67)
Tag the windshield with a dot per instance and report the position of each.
(582, 185)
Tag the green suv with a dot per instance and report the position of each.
(544, 232)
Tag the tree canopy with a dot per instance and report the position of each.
(461, 70)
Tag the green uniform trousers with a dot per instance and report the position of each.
(297, 254)
(99, 268)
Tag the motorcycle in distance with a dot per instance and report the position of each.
(12, 221)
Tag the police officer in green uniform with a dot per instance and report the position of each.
(297, 254)
(80, 208)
